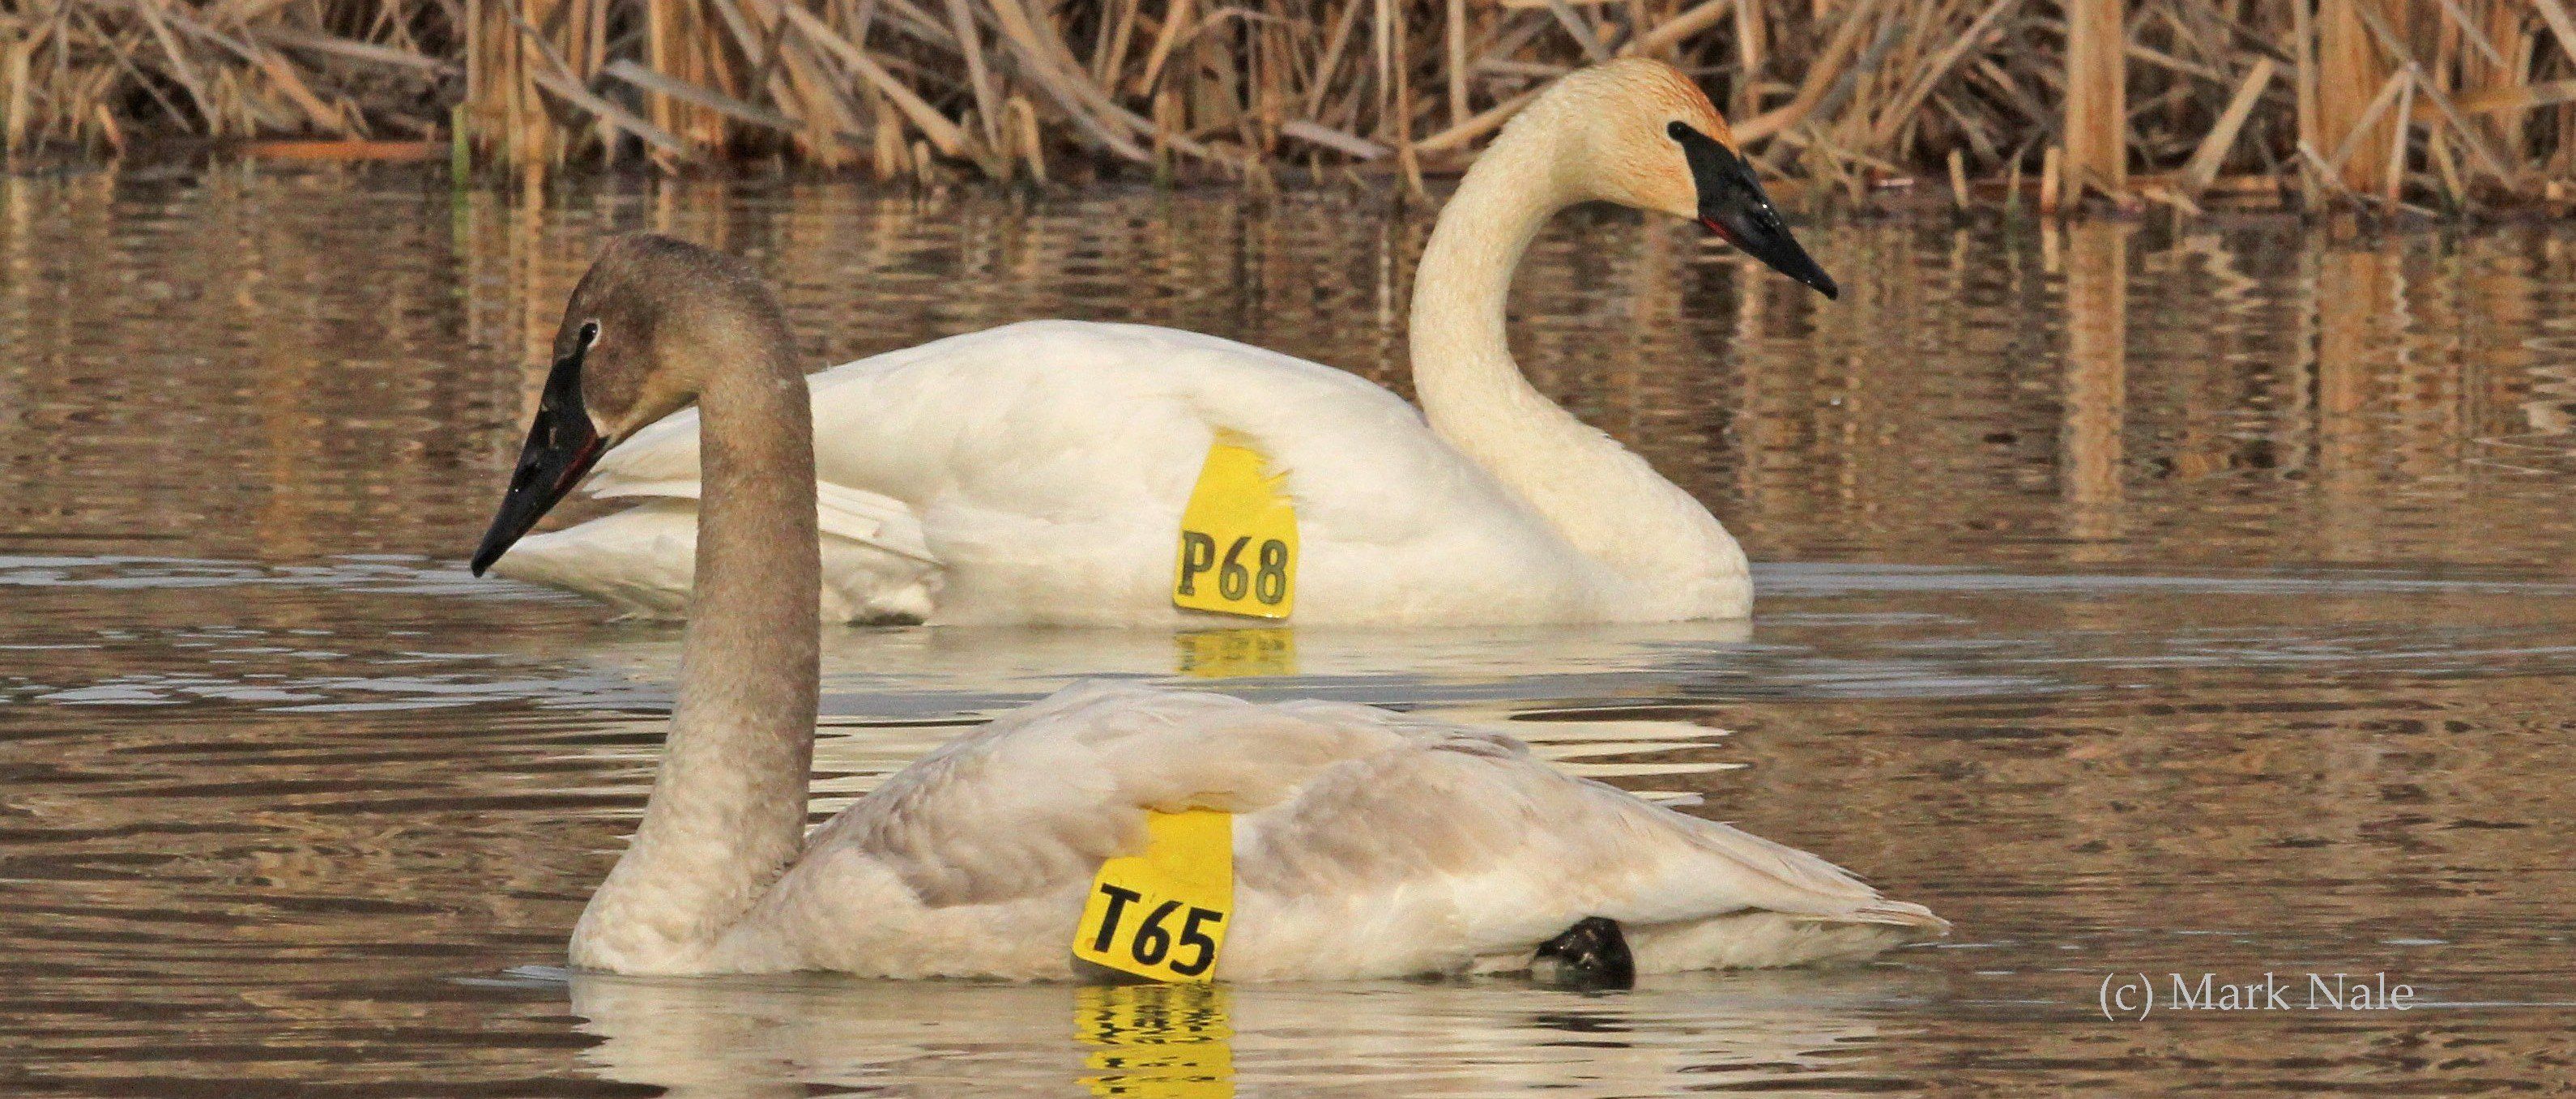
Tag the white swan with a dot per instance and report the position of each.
(1036, 473)
(1364, 844)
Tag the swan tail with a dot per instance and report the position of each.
(1790, 907)
(1803, 910)
(876, 565)
(1894, 913)
(1759, 939)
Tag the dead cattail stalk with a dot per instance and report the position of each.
(2097, 108)
(889, 150)
(13, 70)
(2358, 129)
(2395, 177)
(2349, 72)
(685, 92)
(2554, 13)
(1032, 141)
(1848, 93)
(2212, 152)
(2051, 171)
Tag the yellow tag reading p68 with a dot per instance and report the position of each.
(1238, 551)
(1162, 914)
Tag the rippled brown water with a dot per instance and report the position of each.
(2146, 602)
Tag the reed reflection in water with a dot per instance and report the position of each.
(2142, 601)
(2101, 393)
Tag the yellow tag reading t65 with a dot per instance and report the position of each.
(1238, 552)
(1162, 914)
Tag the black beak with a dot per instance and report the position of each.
(562, 446)
(1731, 204)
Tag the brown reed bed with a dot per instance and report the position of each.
(2424, 104)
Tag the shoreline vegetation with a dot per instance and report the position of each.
(2424, 107)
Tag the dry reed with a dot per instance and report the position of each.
(2386, 103)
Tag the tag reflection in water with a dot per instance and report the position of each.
(789, 1036)
(1222, 654)
(1156, 1041)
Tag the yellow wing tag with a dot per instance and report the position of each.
(1238, 552)
(1162, 914)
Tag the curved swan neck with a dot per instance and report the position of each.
(727, 812)
(1463, 369)
(1666, 556)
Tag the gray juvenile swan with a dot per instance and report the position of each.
(1364, 844)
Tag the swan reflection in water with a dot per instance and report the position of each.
(729, 1037)
(893, 695)
(933, 671)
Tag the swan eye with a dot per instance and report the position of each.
(1676, 129)
(589, 333)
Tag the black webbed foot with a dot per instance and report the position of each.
(1592, 954)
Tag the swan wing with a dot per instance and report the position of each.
(1040, 467)
(1036, 800)
(986, 394)
(1367, 843)
(852, 514)
(1465, 850)
(1062, 422)
(877, 562)
(876, 565)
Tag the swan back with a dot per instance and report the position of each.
(1367, 844)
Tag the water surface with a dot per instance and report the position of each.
(2147, 601)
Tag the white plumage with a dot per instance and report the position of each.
(1051, 460)
(1036, 473)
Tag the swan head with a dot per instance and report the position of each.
(634, 345)
(1646, 136)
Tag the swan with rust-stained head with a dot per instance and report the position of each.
(1366, 844)
(1036, 473)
